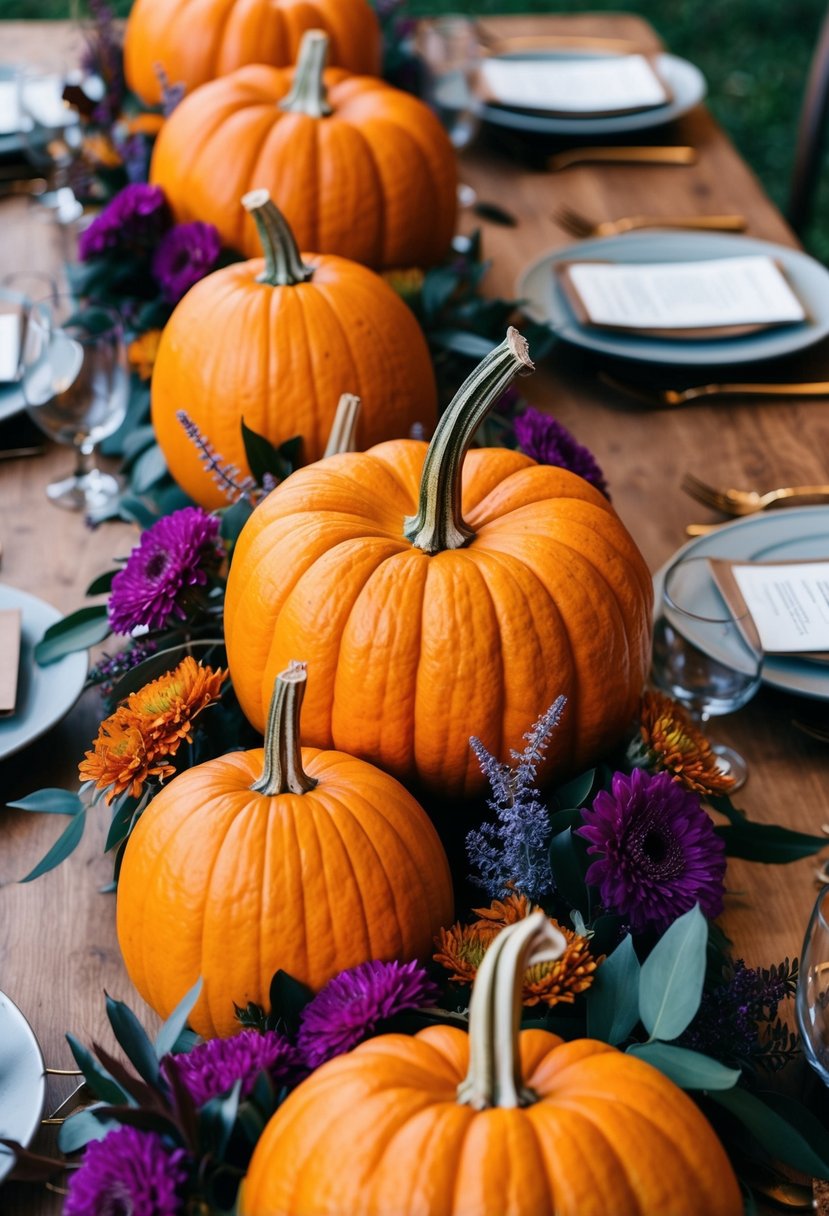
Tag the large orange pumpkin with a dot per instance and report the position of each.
(276, 343)
(303, 860)
(511, 583)
(198, 40)
(490, 1123)
(359, 169)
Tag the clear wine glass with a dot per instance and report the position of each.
(76, 384)
(704, 656)
(450, 52)
(812, 1000)
(52, 137)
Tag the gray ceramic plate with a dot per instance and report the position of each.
(45, 694)
(22, 1081)
(789, 534)
(546, 302)
(685, 81)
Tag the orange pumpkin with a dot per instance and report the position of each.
(490, 1123)
(304, 860)
(358, 168)
(510, 583)
(275, 343)
(198, 41)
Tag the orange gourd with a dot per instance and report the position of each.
(275, 343)
(440, 595)
(305, 860)
(359, 168)
(198, 40)
(495, 1122)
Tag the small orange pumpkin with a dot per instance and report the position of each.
(359, 169)
(286, 858)
(200, 40)
(495, 1122)
(275, 343)
(509, 584)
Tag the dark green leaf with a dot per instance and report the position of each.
(78, 631)
(767, 842)
(119, 827)
(84, 1126)
(218, 1116)
(101, 1082)
(148, 469)
(262, 457)
(101, 585)
(687, 1069)
(158, 664)
(438, 286)
(461, 343)
(575, 792)
(670, 986)
(138, 440)
(234, 519)
(170, 1032)
(613, 998)
(291, 452)
(133, 510)
(788, 1133)
(50, 802)
(288, 998)
(132, 1037)
(568, 858)
(65, 844)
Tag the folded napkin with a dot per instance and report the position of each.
(9, 659)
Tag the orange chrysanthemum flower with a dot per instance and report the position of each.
(669, 741)
(462, 947)
(143, 352)
(137, 740)
(407, 283)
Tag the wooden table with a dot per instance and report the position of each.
(57, 940)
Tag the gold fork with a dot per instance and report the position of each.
(579, 225)
(747, 502)
(672, 396)
(673, 154)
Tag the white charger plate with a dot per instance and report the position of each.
(545, 301)
(22, 1081)
(45, 694)
(788, 534)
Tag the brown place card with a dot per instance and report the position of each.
(9, 659)
(781, 606)
(573, 85)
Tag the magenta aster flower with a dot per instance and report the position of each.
(547, 441)
(349, 1007)
(186, 254)
(134, 219)
(214, 1067)
(129, 1171)
(174, 555)
(658, 853)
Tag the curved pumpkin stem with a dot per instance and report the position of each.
(283, 265)
(494, 1076)
(439, 523)
(308, 95)
(343, 437)
(283, 772)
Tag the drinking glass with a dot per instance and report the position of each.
(52, 137)
(450, 52)
(704, 656)
(75, 384)
(812, 1000)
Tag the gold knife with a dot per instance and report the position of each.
(674, 154)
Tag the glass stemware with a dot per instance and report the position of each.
(703, 655)
(52, 137)
(812, 1000)
(450, 52)
(75, 384)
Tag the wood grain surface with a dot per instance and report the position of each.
(58, 950)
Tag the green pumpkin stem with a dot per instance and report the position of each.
(439, 523)
(343, 437)
(283, 772)
(283, 265)
(308, 95)
(494, 1076)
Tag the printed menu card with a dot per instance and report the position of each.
(788, 603)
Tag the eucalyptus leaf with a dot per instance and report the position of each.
(613, 997)
(65, 844)
(136, 442)
(568, 864)
(170, 1032)
(84, 1126)
(670, 987)
(78, 631)
(102, 585)
(148, 469)
(134, 510)
(687, 1069)
(788, 1133)
(218, 1116)
(50, 802)
(132, 1038)
(438, 286)
(101, 1082)
(234, 519)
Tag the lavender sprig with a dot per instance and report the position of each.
(512, 852)
(738, 1021)
(228, 477)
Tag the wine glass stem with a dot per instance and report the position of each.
(83, 461)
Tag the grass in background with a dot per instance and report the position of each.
(755, 55)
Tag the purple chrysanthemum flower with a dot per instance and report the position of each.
(549, 442)
(134, 219)
(214, 1067)
(128, 1171)
(658, 853)
(175, 554)
(349, 1007)
(186, 254)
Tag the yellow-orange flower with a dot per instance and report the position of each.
(407, 283)
(143, 352)
(136, 741)
(100, 150)
(462, 948)
(670, 741)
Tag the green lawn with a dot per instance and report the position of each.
(754, 53)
